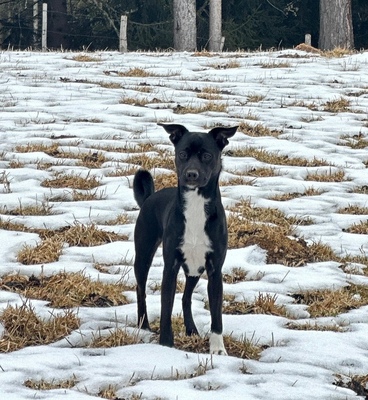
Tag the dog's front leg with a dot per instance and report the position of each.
(190, 284)
(215, 302)
(167, 302)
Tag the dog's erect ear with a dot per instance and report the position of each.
(176, 131)
(221, 135)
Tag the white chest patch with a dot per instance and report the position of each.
(195, 243)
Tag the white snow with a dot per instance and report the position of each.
(49, 97)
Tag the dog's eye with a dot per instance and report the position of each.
(183, 155)
(206, 156)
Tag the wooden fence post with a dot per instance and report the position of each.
(44, 26)
(123, 42)
(308, 39)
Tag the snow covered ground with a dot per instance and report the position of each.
(83, 106)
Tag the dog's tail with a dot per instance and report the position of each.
(143, 186)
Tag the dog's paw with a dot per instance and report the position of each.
(217, 344)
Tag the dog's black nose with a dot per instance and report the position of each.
(192, 174)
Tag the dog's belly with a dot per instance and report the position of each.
(195, 243)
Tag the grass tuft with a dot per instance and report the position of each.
(22, 327)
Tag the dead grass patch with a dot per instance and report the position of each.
(67, 290)
(275, 64)
(209, 106)
(355, 142)
(285, 196)
(210, 93)
(360, 228)
(121, 219)
(338, 105)
(356, 383)
(236, 275)
(135, 72)
(149, 162)
(237, 180)
(353, 209)
(134, 101)
(258, 130)
(327, 176)
(325, 303)
(273, 231)
(255, 98)
(165, 180)
(83, 235)
(242, 348)
(116, 337)
(263, 172)
(275, 158)
(86, 58)
(72, 181)
(49, 250)
(53, 384)
(264, 303)
(91, 160)
(40, 208)
(24, 328)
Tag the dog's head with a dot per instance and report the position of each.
(198, 155)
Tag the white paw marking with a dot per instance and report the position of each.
(195, 243)
(217, 344)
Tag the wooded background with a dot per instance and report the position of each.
(94, 24)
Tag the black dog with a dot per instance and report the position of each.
(190, 221)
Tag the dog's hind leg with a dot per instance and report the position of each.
(215, 289)
(190, 284)
(145, 250)
(167, 303)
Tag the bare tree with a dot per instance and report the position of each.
(336, 25)
(215, 25)
(185, 29)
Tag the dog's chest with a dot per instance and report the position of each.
(195, 243)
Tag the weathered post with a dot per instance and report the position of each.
(44, 26)
(123, 41)
(308, 39)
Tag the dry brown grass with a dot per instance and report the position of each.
(135, 72)
(66, 290)
(274, 158)
(47, 251)
(72, 181)
(338, 105)
(86, 58)
(258, 130)
(91, 160)
(360, 228)
(358, 141)
(236, 275)
(39, 208)
(50, 248)
(24, 328)
(149, 162)
(210, 93)
(353, 209)
(327, 176)
(207, 107)
(242, 348)
(275, 64)
(116, 337)
(165, 180)
(264, 303)
(237, 180)
(53, 384)
(356, 383)
(263, 172)
(134, 101)
(273, 231)
(326, 303)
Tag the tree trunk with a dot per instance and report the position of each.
(185, 29)
(57, 28)
(336, 25)
(215, 25)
